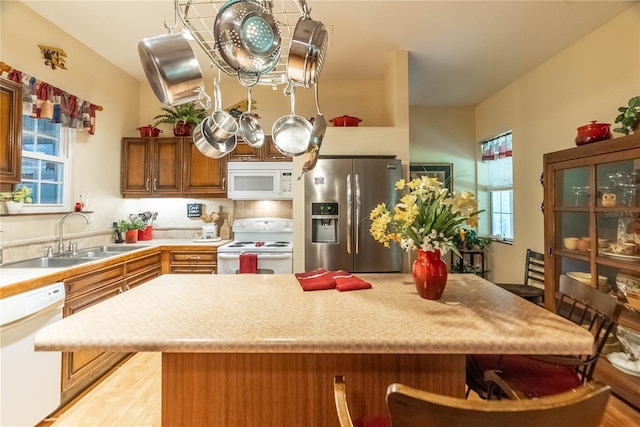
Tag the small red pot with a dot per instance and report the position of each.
(146, 131)
(593, 132)
(345, 121)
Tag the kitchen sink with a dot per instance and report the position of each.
(68, 259)
(46, 262)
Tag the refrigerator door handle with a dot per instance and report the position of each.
(349, 206)
(357, 233)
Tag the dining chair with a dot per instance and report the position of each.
(533, 376)
(533, 274)
(410, 407)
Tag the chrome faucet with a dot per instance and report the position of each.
(62, 220)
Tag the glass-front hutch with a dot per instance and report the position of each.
(592, 233)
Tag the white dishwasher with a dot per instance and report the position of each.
(29, 379)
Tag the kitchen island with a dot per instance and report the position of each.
(255, 350)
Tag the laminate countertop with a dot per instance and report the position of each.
(251, 313)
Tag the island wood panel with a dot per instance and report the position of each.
(260, 389)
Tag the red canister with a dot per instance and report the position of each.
(149, 130)
(593, 132)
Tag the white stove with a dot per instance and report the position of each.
(270, 238)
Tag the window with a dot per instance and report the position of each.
(497, 164)
(45, 164)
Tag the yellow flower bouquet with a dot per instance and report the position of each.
(427, 216)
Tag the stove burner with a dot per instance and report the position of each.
(282, 243)
(277, 245)
(243, 243)
(236, 245)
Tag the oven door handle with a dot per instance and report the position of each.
(260, 256)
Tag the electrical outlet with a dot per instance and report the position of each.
(111, 221)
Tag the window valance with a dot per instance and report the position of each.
(44, 101)
(496, 148)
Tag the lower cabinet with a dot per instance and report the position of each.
(185, 261)
(81, 368)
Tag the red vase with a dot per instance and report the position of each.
(182, 129)
(429, 274)
(131, 236)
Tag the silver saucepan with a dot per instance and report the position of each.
(250, 127)
(172, 69)
(291, 133)
(211, 146)
(307, 50)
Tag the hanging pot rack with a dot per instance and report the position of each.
(198, 17)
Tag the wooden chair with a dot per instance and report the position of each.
(410, 407)
(518, 377)
(533, 273)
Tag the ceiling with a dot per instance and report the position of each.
(460, 52)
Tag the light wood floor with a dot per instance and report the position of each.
(130, 397)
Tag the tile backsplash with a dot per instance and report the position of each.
(262, 208)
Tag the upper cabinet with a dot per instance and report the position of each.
(267, 153)
(10, 133)
(169, 167)
(592, 232)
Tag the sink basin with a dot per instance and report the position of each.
(69, 260)
(46, 262)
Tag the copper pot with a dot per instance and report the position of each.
(593, 132)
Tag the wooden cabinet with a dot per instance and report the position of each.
(151, 167)
(10, 134)
(190, 261)
(592, 207)
(202, 175)
(169, 167)
(267, 153)
(81, 368)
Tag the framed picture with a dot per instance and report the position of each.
(442, 171)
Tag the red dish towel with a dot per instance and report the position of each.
(311, 273)
(341, 273)
(248, 264)
(317, 282)
(352, 283)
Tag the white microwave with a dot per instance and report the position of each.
(260, 180)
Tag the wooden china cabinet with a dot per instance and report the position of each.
(592, 193)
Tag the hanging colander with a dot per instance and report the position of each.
(248, 39)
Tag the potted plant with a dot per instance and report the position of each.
(629, 117)
(130, 227)
(14, 200)
(183, 118)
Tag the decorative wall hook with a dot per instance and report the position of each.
(53, 57)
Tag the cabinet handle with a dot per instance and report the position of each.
(127, 287)
(155, 184)
(195, 257)
(224, 183)
(120, 290)
(146, 184)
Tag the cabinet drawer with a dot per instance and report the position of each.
(79, 302)
(140, 278)
(196, 269)
(86, 282)
(146, 262)
(190, 257)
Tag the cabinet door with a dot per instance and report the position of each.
(186, 262)
(245, 153)
(10, 133)
(167, 174)
(271, 154)
(135, 167)
(203, 176)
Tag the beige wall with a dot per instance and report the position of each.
(587, 81)
(96, 159)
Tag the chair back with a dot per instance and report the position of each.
(581, 407)
(592, 309)
(534, 268)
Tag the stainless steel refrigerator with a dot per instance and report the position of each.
(340, 192)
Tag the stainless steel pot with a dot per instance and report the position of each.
(250, 127)
(291, 133)
(248, 39)
(307, 50)
(315, 142)
(221, 125)
(172, 69)
(211, 146)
